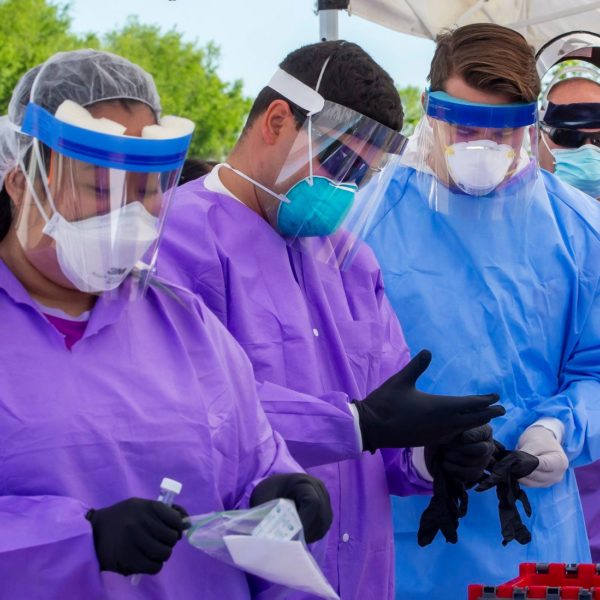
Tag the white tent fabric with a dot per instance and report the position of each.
(537, 20)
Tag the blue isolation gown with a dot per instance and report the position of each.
(508, 305)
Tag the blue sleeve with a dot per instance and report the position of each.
(577, 401)
(577, 404)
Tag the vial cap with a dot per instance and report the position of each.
(170, 485)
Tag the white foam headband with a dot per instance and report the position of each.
(297, 92)
(169, 127)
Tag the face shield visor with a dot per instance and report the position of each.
(573, 45)
(95, 199)
(476, 160)
(333, 176)
(575, 54)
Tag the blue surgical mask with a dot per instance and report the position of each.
(314, 207)
(580, 167)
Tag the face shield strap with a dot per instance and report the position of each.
(310, 151)
(44, 178)
(105, 150)
(31, 187)
(545, 142)
(455, 111)
(303, 96)
(264, 188)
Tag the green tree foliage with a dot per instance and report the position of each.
(185, 72)
(30, 32)
(411, 101)
(188, 83)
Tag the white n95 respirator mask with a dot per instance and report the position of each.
(478, 167)
(98, 253)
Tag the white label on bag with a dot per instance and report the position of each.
(282, 522)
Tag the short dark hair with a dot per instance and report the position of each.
(488, 57)
(5, 213)
(194, 168)
(352, 78)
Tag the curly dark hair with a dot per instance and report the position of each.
(352, 78)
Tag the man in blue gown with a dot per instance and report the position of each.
(494, 265)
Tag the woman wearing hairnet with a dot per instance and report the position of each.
(105, 390)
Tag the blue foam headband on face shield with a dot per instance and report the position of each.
(113, 151)
(455, 111)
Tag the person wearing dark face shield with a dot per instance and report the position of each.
(570, 110)
(111, 379)
(269, 239)
(570, 145)
(478, 243)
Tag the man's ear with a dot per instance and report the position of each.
(423, 96)
(274, 121)
(15, 185)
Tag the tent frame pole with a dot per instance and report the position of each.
(329, 29)
(329, 18)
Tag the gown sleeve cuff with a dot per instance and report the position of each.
(418, 461)
(551, 424)
(354, 414)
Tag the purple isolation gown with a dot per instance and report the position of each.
(317, 337)
(156, 387)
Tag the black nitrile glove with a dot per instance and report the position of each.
(397, 415)
(136, 535)
(465, 457)
(448, 504)
(454, 466)
(308, 494)
(506, 468)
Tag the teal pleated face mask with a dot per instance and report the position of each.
(579, 167)
(314, 209)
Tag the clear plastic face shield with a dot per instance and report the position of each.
(573, 45)
(476, 160)
(333, 177)
(570, 131)
(572, 55)
(95, 199)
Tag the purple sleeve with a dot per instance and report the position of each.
(246, 449)
(47, 544)
(318, 430)
(402, 477)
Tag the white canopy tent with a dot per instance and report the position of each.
(538, 20)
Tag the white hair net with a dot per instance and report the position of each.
(8, 148)
(82, 76)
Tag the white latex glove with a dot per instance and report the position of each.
(542, 443)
